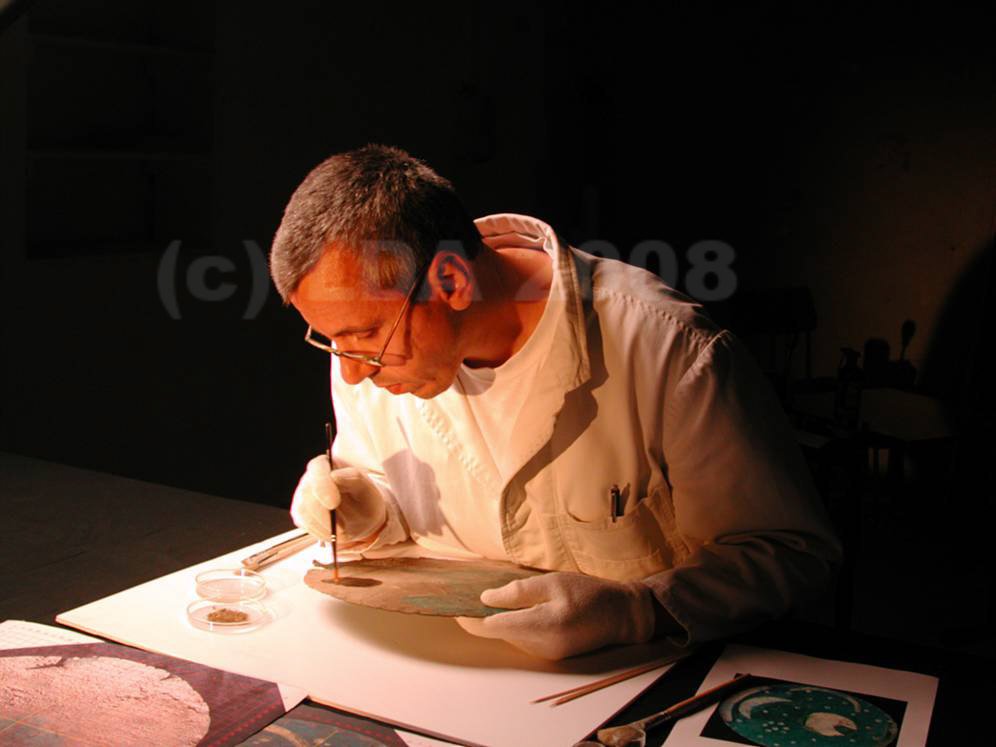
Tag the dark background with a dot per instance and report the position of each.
(845, 150)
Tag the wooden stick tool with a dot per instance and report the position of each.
(565, 696)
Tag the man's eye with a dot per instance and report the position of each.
(350, 341)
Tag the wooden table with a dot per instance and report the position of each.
(70, 536)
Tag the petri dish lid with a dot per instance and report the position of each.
(230, 585)
(227, 617)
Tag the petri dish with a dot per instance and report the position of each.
(227, 617)
(230, 585)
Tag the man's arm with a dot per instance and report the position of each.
(743, 496)
(357, 488)
(354, 447)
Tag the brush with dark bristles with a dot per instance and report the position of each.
(335, 554)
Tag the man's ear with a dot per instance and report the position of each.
(451, 280)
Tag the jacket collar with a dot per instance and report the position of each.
(567, 365)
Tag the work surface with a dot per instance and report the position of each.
(71, 536)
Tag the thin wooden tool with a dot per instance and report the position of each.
(335, 554)
(565, 696)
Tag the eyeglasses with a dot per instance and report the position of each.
(382, 358)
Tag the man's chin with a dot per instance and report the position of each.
(424, 389)
(408, 388)
(428, 390)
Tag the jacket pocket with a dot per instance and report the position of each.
(631, 547)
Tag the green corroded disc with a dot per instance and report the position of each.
(422, 586)
(787, 715)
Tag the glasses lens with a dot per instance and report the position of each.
(363, 356)
(392, 359)
(318, 339)
(388, 359)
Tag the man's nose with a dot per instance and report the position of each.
(353, 371)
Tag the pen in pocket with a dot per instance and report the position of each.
(615, 498)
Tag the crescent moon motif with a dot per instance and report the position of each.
(746, 706)
(826, 724)
(727, 706)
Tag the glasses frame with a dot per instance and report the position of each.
(371, 360)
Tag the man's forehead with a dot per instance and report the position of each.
(338, 276)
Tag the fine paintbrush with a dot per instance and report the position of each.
(335, 554)
(636, 732)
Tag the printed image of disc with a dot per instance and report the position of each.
(97, 700)
(788, 715)
(76, 694)
(421, 586)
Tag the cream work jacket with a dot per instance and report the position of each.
(640, 390)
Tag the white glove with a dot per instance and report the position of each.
(562, 614)
(360, 509)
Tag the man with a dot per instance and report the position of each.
(500, 394)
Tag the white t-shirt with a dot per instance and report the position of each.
(495, 397)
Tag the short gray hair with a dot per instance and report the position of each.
(378, 202)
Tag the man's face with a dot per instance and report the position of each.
(335, 300)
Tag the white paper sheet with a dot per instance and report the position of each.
(423, 673)
(24, 634)
(916, 690)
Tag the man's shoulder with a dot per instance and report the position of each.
(633, 296)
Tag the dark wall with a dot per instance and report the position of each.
(831, 148)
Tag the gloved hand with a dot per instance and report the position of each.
(562, 614)
(360, 508)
